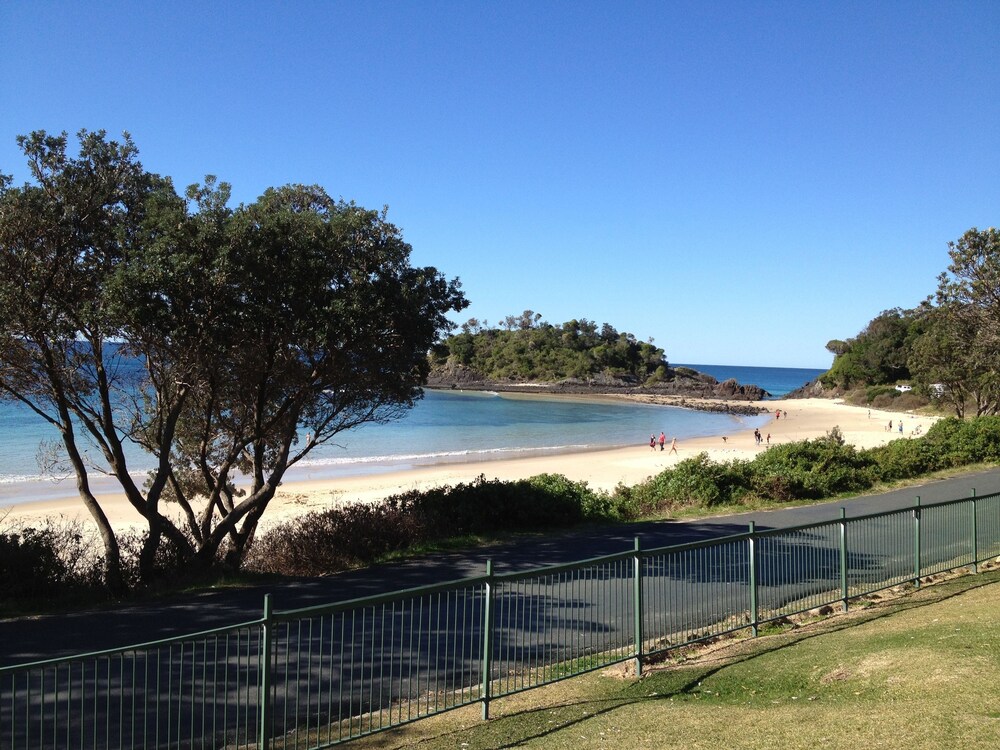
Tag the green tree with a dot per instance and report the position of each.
(295, 312)
(962, 348)
(529, 349)
(876, 356)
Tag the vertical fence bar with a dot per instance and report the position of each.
(487, 639)
(264, 699)
(975, 533)
(843, 558)
(637, 605)
(916, 543)
(752, 565)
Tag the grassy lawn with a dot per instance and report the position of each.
(919, 672)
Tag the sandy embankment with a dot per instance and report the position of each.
(800, 419)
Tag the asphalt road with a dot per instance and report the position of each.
(54, 636)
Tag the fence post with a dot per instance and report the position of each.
(975, 533)
(266, 635)
(916, 543)
(637, 606)
(753, 580)
(487, 640)
(843, 557)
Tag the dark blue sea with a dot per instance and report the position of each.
(778, 381)
(444, 427)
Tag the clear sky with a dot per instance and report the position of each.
(740, 182)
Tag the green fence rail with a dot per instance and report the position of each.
(316, 677)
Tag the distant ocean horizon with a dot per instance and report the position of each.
(778, 381)
(444, 427)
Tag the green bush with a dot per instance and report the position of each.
(872, 392)
(960, 442)
(696, 482)
(904, 459)
(487, 506)
(811, 469)
(702, 483)
(644, 499)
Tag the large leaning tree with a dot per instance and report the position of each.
(210, 337)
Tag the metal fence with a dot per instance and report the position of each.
(316, 677)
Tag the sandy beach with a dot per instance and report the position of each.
(800, 419)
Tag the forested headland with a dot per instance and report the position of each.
(578, 355)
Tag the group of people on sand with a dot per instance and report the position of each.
(662, 441)
(758, 437)
(899, 424)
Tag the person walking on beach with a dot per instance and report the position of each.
(673, 445)
(663, 439)
(652, 442)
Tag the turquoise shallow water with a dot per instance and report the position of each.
(444, 427)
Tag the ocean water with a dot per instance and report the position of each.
(444, 427)
(778, 381)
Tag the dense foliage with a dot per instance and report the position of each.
(528, 349)
(948, 348)
(292, 312)
(879, 354)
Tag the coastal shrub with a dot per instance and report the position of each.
(886, 392)
(812, 469)
(58, 559)
(911, 401)
(703, 483)
(594, 505)
(645, 498)
(694, 482)
(485, 506)
(960, 442)
(333, 540)
(30, 563)
(904, 459)
(360, 534)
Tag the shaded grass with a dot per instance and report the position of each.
(917, 673)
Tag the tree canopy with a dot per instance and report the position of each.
(207, 335)
(527, 348)
(878, 355)
(951, 341)
(962, 347)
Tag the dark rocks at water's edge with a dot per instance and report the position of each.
(812, 389)
(709, 394)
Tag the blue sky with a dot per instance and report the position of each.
(740, 182)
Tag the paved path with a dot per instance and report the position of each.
(29, 639)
